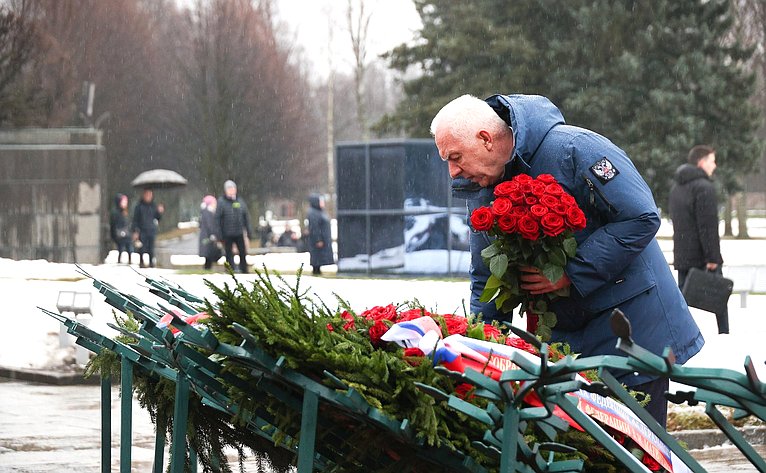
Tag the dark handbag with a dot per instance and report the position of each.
(707, 291)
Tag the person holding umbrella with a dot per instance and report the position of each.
(146, 217)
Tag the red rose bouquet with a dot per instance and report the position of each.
(533, 221)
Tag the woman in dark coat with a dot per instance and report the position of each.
(209, 232)
(119, 226)
(319, 237)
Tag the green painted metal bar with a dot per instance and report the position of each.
(159, 446)
(646, 418)
(192, 460)
(737, 439)
(180, 418)
(106, 424)
(126, 413)
(510, 438)
(309, 417)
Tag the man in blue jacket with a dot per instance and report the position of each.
(618, 262)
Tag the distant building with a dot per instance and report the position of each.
(51, 195)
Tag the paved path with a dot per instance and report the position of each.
(46, 429)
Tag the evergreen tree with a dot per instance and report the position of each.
(656, 78)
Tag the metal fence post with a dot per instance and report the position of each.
(309, 416)
(126, 413)
(180, 418)
(106, 424)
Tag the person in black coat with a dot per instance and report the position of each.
(146, 217)
(119, 226)
(319, 236)
(694, 211)
(234, 221)
(209, 232)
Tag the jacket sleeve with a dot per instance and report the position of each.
(706, 213)
(622, 216)
(136, 218)
(246, 219)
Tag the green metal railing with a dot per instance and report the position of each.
(180, 360)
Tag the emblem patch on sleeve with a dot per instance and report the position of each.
(604, 170)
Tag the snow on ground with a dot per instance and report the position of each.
(31, 339)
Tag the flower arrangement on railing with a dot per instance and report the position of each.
(533, 221)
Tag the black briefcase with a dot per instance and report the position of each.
(707, 291)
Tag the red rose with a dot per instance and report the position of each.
(575, 218)
(507, 223)
(522, 178)
(349, 325)
(490, 332)
(517, 197)
(505, 188)
(549, 201)
(538, 188)
(379, 313)
(567, 199)
(560, 209)
(376, 331)
(482, 219)
(552, 223)
(546, 178)
(519, 212)
(411, 314)
(531, 200)
(538, 211)
(528, 228)
(462, 390)
(456, 325)
(329, 327)
(526, 187)
(413, 352)
(554, 189)
(501, 206)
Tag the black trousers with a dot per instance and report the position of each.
(723, 317)
(147, 247)
(228, 244)
(658, 405)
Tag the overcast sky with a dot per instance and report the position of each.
(392, 23)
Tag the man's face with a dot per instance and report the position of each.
(148, 195)
(707, 164)
(231, 192)
(474, 158)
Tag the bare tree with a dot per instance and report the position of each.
(358, 23)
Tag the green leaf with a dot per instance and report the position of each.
(540, 306)
(493, 282)
(475, 332)
(497, 265)
(549, 319)
(504, 295)
(557, 256)
(544, 332)
(553, 272)
(510, 304)
(488, 294)
(563, 292)
(490, 251)
(570, 246)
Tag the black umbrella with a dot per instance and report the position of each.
(159, 179)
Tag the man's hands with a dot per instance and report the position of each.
(711, 266)
(532, 280)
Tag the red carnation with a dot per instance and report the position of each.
(554, 189)
(538, 210)
(411, 314)
(482, 219)
(376, 331)
(575, 218)
(456, 325)
(528, 228)
(650, 462)
(462, 390)
(379, 313)
(546, 178)
(507, 223)
(349, 325)
(505, 188)
(501, 206)
(552, 223)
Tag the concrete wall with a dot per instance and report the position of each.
(51, 194)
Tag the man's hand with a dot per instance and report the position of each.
(532, 280)
(711, 266)
(320, 244)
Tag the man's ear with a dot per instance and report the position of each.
(486, 137)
